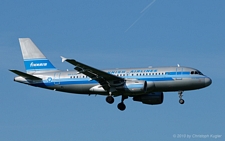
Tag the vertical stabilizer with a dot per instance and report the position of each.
(34, 59)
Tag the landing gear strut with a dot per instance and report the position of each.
(121, 106)
(109, 98)
(180, 93)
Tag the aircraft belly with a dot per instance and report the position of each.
(74, 88)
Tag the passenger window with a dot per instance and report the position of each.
(192, 72)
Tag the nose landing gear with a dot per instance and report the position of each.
(180, 93)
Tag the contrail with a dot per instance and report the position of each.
(147, 6)
(143, 12)
(134, 22)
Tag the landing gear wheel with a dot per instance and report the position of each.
(181, 101)
(180, 93)
(109, 99)
(121, 106)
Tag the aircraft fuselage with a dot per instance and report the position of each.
(161, 79)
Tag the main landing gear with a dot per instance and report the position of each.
(121, 106)
(109, 98)
(180, 93)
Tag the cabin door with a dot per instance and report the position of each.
(179, 73)
(57, 78)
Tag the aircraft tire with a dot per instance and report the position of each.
(181, 101)
(109, 99)
(121, 106)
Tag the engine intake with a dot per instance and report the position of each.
(151, 98)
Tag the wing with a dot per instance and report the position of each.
(105, 79)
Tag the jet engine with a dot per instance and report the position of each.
(151, 98)
(133, 87)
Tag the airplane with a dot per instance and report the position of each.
(146, 85)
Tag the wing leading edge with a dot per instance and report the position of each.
(105, 79)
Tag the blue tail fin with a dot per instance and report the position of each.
(34, 60)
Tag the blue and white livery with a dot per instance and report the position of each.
(145, 85)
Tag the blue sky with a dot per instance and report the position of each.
(113, 34)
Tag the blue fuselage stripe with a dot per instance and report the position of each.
(87, 81)
(71, 81)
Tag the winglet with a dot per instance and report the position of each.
(63, 58)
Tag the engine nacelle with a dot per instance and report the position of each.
(134, 87)
(151, 98)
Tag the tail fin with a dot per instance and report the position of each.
(34, 60)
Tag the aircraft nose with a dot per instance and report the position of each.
(208, 81)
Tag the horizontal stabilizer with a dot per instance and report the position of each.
(25, 75)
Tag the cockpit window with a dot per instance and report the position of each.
(199, 72)
(196, 72)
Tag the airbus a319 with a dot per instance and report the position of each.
(146, 85)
